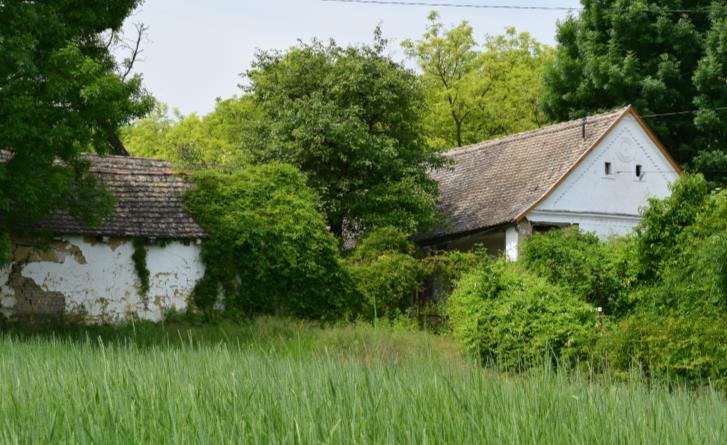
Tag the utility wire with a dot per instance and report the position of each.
(515, 7)
(681, 113)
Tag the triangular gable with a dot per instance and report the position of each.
(586, 186)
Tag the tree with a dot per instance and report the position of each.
(646, 54)
(60, 94)
(477, 91)
(215, 141)
(348, 118)
(269, 249)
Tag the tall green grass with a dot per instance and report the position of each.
(277, 381)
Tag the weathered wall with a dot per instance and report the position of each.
(96, 281)
(609, 204)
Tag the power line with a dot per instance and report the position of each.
(681, 113)
(512, 7)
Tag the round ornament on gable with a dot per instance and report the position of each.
(626, 150)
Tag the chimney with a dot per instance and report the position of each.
(583, 127)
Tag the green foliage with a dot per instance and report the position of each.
(599, 273)
(615, 53)
(60, 94)
(384, 272)
(510, 316)
(215, 141)
(286, 381)
(269, 250)
(6, 254)
(139, 259)
(477, 91)
(684, 347)
(693, 279)
(657, 236)
(349, 119)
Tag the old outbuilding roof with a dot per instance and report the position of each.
(149, 201)
(497, 181)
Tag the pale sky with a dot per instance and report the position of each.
(196, 51)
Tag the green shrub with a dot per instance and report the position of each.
(693, 279)
(5, 249)
(599, 273)
(269, 249)
(514, 318)
(691, 348)
(447, 267)
(657, 236)
(385, 272)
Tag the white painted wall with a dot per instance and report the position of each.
(610, 204)
(105, 286)
(512, 243)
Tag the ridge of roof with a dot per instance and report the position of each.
(548, 129)
(149, 201)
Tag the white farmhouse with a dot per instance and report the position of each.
(87, 273)
(595, 173)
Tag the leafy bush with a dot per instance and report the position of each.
(693, 279)
(510, 316)
(269, 249)
(599, 273)
(5, 249)
(385, 272)
(657, 236)
(692, 348)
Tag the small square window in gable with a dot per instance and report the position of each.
(607, 169)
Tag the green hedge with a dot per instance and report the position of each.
(512, 317)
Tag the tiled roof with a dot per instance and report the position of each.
(149, 201)
(494, 182)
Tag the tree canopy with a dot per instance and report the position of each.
(652, 57)
(60, 95)
(477, 91)
(214, 141)
(350, 119)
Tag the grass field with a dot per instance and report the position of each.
(277, 381)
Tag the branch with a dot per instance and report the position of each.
(136, 50)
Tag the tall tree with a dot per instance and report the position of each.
(349, 118)
(215, 141)
(60, 94)
(477, 91)
(646, 53)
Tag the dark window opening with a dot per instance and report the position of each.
(639, 171)
(607, 168)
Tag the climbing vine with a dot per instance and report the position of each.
(269, 250)
(139, 259)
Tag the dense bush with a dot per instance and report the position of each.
(384, 272)
(678, 327)
(691, 348)
(269, 249)
(599, 273)
(657, 237)
(514, 318)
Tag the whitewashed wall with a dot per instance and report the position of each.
(610, 204)
(97, 281)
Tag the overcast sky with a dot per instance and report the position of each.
(195, 51)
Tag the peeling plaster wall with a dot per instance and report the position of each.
(96, 281)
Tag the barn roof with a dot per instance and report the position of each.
(149, 201)
(497, 181)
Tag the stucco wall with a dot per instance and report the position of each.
(96, 281)
(610, 204)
